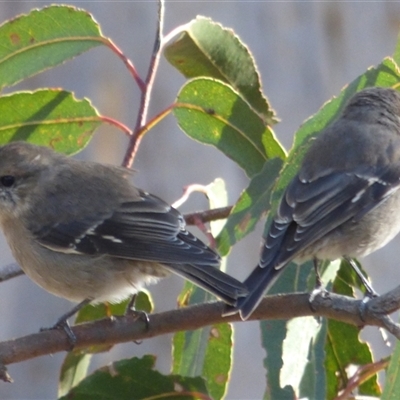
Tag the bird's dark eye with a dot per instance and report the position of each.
(7, 180)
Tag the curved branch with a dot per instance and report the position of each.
(115, 330)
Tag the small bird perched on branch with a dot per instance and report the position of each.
(345, 199)
(82, 231)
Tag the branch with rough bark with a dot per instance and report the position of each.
(114, 330)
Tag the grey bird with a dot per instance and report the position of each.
(81, 230)
(345, 201)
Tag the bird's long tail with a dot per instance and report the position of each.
(257, 283)
(212, 280)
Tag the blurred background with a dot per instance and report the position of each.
(305, 51)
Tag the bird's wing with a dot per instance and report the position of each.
(142, 229)
(312, 208)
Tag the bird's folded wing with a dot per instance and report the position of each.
(143, 229)
(312, 208)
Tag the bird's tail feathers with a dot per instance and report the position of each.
(257, 284)
(212, 280)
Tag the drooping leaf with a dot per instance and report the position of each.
(73, 370)
(295, 357)
(391, 391)
(207, 49)
(344, 347)
(273, 333)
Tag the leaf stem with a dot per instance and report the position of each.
(116, 123)
(110, 44)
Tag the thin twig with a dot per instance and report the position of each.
(145, 98)
(209, 215)
(176, 31)
(187, 191)
(362, 374)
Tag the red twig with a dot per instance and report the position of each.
(128, 63)
(119, 125)
(145, 98)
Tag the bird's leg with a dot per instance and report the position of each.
(319, 289)
(318, 281)
(370, 291)
(62, 322)
(131, 310)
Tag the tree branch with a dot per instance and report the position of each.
(115, 330)
(145, 97)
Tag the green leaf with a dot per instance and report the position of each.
(135, 379)
(252, 204)
(73, 371)
(295, 349)
(49, 117)
(351, 279)
(345, 348)
(188, 352)
(300, 338)
(396, 54)
(143, 302)
(386, 74)
(313, 383)
(217, 197)
(305, 343)
(293, 279)
(207, 49)
(211, 112)
(218, 360)
(205, 352)
(391, 390)
(91, 312)
(99, 311)
(43, 39)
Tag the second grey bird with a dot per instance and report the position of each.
(345, 199)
